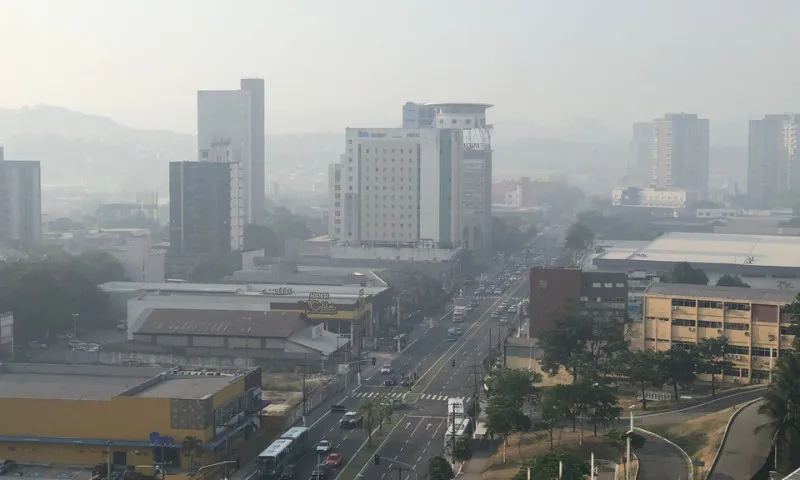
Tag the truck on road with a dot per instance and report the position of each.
(459, 310)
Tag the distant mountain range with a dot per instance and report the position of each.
(101, 154)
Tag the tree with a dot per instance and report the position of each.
(618, 440)
(599, 403)
(782, 406)
(191, 447)
(370, 410)
(683, 272)
(554, 410)
(418, 291)
(579, 237)
(257, 237)
(732, 281)
(510, 234)
(711, 353)
(439, 468)
(69, 283)
(643, 370)
(582, 344)
(677, 369)
(547, 466)
(502, 415)
(462, 451)
(516, 385)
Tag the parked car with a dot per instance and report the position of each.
(334, 460)
(324, 446)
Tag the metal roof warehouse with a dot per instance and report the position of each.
(747, 255)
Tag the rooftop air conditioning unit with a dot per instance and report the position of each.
(719, 330)
(691, 329)
(737, 357)
(674, 309)
(747, 333)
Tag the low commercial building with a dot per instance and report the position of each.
(553, 289)
(746, 255)
(344, 309)
(238, 336)
(755, 322)
(87, 415)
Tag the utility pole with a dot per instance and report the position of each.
(490, 350)
(305, 368)
(475, 391)
(108, 459)
(75, 325)
(398, 325)
(453, 436)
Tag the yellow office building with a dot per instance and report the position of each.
(755, 322)
(84, 415)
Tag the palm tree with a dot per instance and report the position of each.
(781, 405)
(370, 409)
(192, 446)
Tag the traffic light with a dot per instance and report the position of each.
(377, 459)
(373, 360)
(454, 362)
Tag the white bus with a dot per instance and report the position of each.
(463, 429)
(274, 459)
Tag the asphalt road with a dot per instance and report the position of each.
(744, 452)
(658, 460)
(420, 433)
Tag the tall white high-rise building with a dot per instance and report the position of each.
(773, 168)
(681, 152)
(237, 117)
(475, 172)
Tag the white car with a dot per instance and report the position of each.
(324, 446)
(386, 370)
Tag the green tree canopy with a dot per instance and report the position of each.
(677, 369)
(546, 465)
(712, 360)
(781, 406)
(643, 370)
(439, 468)
(510, 234)
(257, 237)
(732, 281)
(584, 345)
(683, 272)
(579, 237)
(45, 293)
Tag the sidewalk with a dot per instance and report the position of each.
(472, 469)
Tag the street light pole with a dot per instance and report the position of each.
(75, 325)
(628, 448)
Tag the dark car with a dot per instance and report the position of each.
(390, 382)
(288, 473)
(321, 472)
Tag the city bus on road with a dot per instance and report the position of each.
(285, 451)
(463, 429)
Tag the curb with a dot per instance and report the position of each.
(686, 457)
(725, 435)
(693, 407)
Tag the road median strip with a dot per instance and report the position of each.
(365, 452)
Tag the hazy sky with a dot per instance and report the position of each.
(333, 63)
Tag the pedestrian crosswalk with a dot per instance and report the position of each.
(424, 396)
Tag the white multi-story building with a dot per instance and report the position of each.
(399, 187)
(681, 153)
(223, 152)
(335, 199)
(237, 117)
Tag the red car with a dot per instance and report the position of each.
(334, 460)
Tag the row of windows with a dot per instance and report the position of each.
(399, 207)
(377, 224)
(730, 349)
(681, 322)
(737, 372)
(607, 285)
(690, 302)
(385, 235)
(367, 178)
(377, 169)
(366, 187)
(410, 215)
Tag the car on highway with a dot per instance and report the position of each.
(324, 446)
(390, 382)
(459, 331)
(288, 473)
(386, 370)
(334, 460)
(406, 381)
(351, 420)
